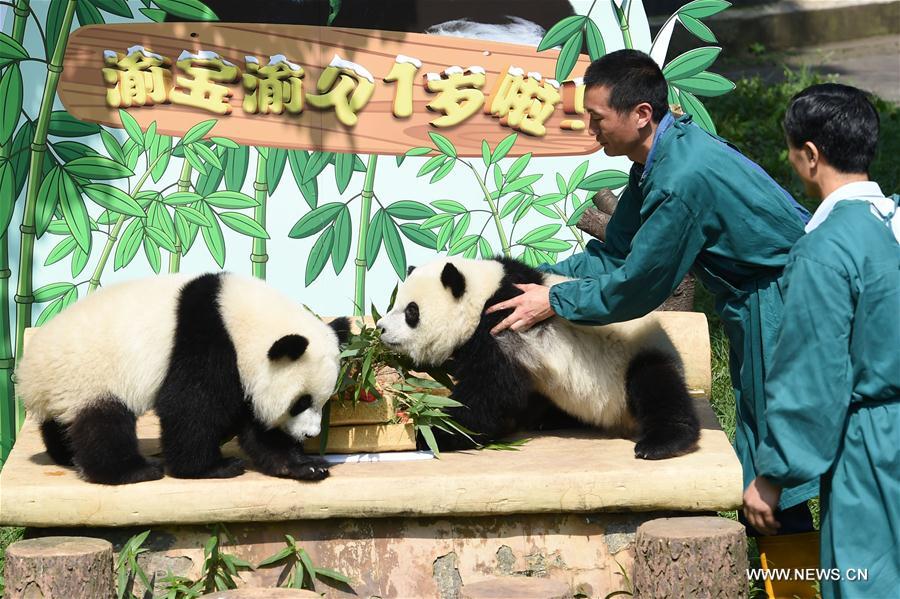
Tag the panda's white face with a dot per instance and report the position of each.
(438, 307)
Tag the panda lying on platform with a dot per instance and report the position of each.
(216, 356)
(624, 378)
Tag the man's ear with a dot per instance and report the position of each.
(643, 114)
(811, 153)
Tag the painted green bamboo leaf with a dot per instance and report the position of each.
(11, 50)
(128, 244)
(540, 234)
(512, 204)
(374, 236)
(443, 171)
(672, 98)
(437, 220)
(112, 145)
(485, 249)
(49, 312)
(313, 222)
(63, 124)
(343, 170)
(53, 25)
(7, 199)
(393, 245)
(61, 250)
(160, 239)
(79, 261)
(88, 14)
(574, 180)
(131, 127)
(116, 7)
(343, 233)
(409, 210)
(275, 167)
(20, 157)
(706, 84)
(74, 211)
(212, 235)
(236, 162)
(71, 150)
(700, 9)
(608, 179)
(160, 151)
(521, 183)
(183, 198)
(151, 251)
(690, 63)
(196, 132)
(11, 92)
(318, 255)
(518, 167)
(193, 10)
(593, 37)
(191, 215)
(224, 142)
(562, 31)
(695, 108)
(113, 198)
(443, 235)
(443, 144)
(187, 231)
(552, 245)
(159, 218)
(243, 224)
(194, 159)
(485, 153)
(414, 233)
(697, 27)
(576, 214)
(234, 200)
(209, 182)
(154, 14)
(97, 167)
(568, 56)
(466, 243)
(450, 206)
(504, 147)
(431, 164)
(460, 228)
(420, 151)
(51, 291)
(298, 160)
(316, 164)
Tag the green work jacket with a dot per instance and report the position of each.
(834, 395)
(698, 205)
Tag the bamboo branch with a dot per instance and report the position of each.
(258, 256)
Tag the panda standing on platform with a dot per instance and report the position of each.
(216, 356)
(623, 378)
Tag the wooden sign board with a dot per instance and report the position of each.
(378, 131)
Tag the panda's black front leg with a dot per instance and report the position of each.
(276, 453)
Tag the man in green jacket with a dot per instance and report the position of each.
(833, 385)
(692, 203)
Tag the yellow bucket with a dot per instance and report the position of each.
(786, 553)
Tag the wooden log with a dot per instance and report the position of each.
(690, 557)
(520, 587)
(60, 567)
(605, 201)
(593, 222)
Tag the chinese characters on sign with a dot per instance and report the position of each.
(523, 102)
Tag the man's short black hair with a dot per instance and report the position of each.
(840, 120)
(632, 78)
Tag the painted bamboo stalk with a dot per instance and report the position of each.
(259, 257)
(184, 184)
(8, 421)
(623, 24)
(368, 192)
(495, 214)
(24, 292)
(114, 234)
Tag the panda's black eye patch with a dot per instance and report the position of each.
(412, 314)
(300, 405)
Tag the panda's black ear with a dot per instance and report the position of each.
(409, 270)
(453, 280)
(289, 346)
(341, 327)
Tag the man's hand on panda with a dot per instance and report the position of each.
(529, 308)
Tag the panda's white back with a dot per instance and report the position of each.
(116, 341)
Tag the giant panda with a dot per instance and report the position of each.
(623, 378)
(215, 355)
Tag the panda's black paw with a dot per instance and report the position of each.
(224, 468)
(650, 448)
(309, 469)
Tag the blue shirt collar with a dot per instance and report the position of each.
(664, 124)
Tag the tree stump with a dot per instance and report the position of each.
(60, 567)
(520, 587)
(691, 557)
(593, 221)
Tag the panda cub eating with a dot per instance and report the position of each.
(216, 356)
(624, 378)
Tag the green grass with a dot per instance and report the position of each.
(8, 536)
